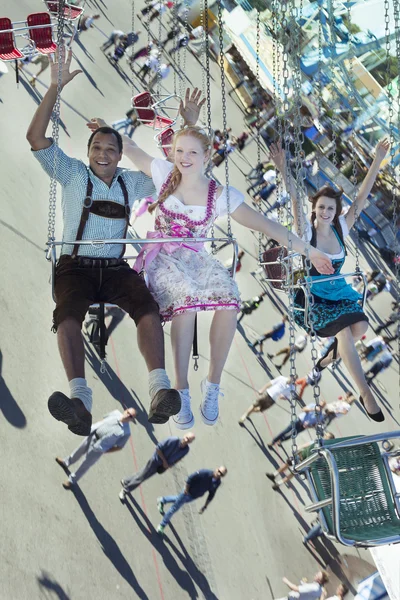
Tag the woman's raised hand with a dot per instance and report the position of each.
(278, 155)
(321, 261)
(382, 149)
(190, 109)
(65, 58)
(95, 123)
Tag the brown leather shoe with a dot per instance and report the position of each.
(67, 485)
(70, 411)
(164, 405)
(60, 462)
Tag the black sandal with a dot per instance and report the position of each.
(334, 347)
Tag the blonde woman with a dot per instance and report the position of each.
(184, 278)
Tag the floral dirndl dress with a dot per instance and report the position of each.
(336, 304)
(184, 277)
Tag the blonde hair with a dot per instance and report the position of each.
(175, 176)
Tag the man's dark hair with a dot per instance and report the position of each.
(107, 130)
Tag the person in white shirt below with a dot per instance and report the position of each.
(340, 593)
(307, 591)
(275, 389)
(299, 344)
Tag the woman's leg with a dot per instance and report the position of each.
(352, 361)
(357, 330)
(182, 330)
(222, 331)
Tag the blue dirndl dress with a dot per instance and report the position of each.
(336, 304)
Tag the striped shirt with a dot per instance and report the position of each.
(111, 432)
(72, 174)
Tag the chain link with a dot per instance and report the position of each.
(132, 52)
(51, 226)
(258, 113)
(396, 14)
(224, 117)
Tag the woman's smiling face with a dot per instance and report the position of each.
(325, 210)
(189, 155)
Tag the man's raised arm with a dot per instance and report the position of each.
(36, 134)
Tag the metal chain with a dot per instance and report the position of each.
(159, 53)
(353, 179)
(208, 103)
(224, 117)
(51, 225)
(132, 53)
(258, 113)
(395, 199)
(203, 50)
(333, 119)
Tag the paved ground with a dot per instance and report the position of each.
(56, 544)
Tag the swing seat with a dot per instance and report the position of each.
(164, 139)
(8, 49)
(277, 268)
(147, 110)
(41, 35)
(354, 490)
(70, 12)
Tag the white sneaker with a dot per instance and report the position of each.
(184, 419)
(209, 405)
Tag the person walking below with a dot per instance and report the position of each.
(299, 344)
(306, 419)
(307, 591)
(279, 387)
(167, 453)
(197, 484)
(385, 360)
(275, 334)
(108, 435)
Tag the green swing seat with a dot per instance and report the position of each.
(354, 491)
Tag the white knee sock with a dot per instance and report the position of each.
(158, 380)
(79, 389)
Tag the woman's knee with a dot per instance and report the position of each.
(359, 329)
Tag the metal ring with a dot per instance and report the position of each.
(86, 204)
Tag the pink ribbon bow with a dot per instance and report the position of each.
(149, 253)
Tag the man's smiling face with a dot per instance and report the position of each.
(104, 155)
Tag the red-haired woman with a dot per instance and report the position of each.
(336, 309)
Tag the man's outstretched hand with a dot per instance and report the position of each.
(65, 58)
(95, 123)
(190, 108)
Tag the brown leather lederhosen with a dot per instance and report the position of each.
(103, 208)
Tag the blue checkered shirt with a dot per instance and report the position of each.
(72, 174)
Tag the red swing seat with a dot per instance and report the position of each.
(8, 49)
(43, 36)
(70, 12)
(271, 261)
(144, 104)
(165, 138)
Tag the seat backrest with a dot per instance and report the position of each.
(162, 122)
(166, 138)
(272, 270)
(142, 103)
(43, 36)
(70, 12)
(6, 37)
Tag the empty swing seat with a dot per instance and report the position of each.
(146, 110)
(41, 35)
(70, 12)
(352, 479)
(165, 139)
(8, 50)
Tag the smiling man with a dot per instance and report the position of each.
(96, 204)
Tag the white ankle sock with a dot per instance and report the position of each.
(79, 389)
(158, 380)
(209, 384)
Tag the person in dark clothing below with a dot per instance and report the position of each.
(394, 317)
(197, 484)
(385, 360)
(248, 306)
(306, 419)
(167, 453)
(276, 333)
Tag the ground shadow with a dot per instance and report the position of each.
(37, 98)
(50, 588)
(22, 236)
(259, 441)
(8, 405)
(88, 75)
(183, 578)
(118, 389)
(109, 545)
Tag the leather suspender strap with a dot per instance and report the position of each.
(87, 203)
(87, 209)
(127, 210)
